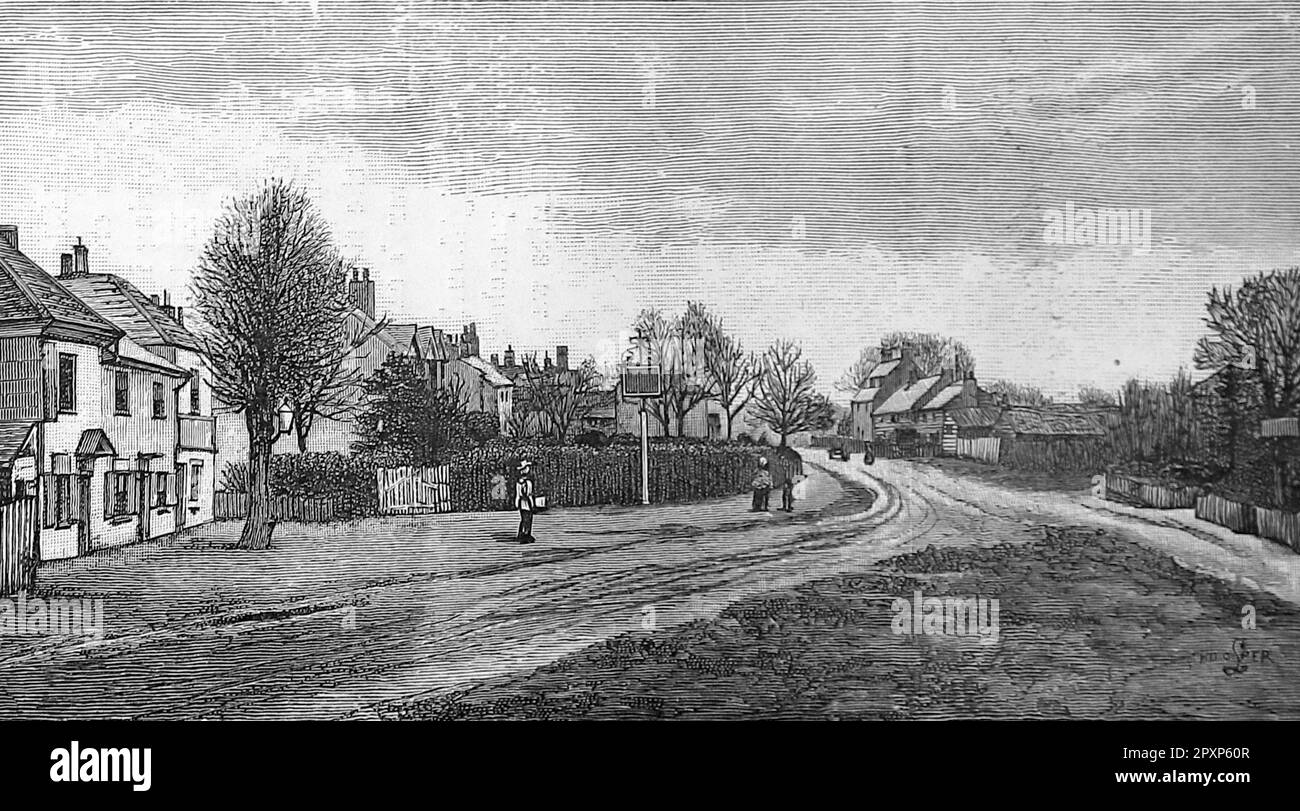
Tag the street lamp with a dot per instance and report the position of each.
(285, 415)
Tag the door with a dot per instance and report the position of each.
(182, 496)
(82, 483)
(142, 478)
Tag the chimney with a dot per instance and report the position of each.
(546, 361)
(65, 264)
(9, 235)
(562, 358)
(80, 260)
(154, 299)
(180, 316)
(495, 358)
(362, 291)
(510, 357)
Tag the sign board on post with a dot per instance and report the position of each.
(642, 381)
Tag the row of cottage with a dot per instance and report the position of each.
(900, 405)
(106, 411)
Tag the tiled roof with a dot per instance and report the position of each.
(1042, 422)
(882, 369)
(28, 292)
(13, 437)
(132, 311)
(866, 395)
(402, 334)
(906, 398)
(945, 396)
(982, 417)
(489, 372)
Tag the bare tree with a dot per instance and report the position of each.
(785, 399)
(1258, 326)
(336, 394)
(1019, 393)
(1093, 396)
(268, 287)
(732, 373)
(654, 339)
(563, 397)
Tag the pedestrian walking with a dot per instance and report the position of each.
(762, 484)
(524, 501)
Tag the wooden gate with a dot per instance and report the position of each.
(17, 544)
(414, 489)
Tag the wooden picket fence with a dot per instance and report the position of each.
(1280, 526)
(414, 489)
(230, 505)
(1234, 515)
(985, 449)
(18, 555)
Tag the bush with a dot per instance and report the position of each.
(348, 481)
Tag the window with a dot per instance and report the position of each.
(159, 401)
(161, 489)
(121, 495)
(194, 391)
(61, 493)
(122, 393)
(67, 383)
(196, 473)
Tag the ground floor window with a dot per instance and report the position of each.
(196, 473)
(121, 494)
(164, 489)
(60, 500)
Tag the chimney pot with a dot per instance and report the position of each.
(365, 274)
(154, 299)
(80, 259)
(65, 264)
(180, 316)
(9, 235)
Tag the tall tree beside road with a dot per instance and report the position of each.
(270, 291)
(785, 399)
(336, 393)
(405, 421)
(1258, 326)
(732, 373)
(931, 352)
(561, 397)
(676, 345)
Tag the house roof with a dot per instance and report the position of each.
(867, 395)
(1055, 422)
(490, 373)
(28, 293)
(882, 369)
(130, 353)
(403, 335)
(907, 398)
(983, 417)
(13, 438)
(122, 303)
(945, 396)
(94, 442)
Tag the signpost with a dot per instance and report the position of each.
(643, 381)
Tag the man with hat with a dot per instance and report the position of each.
(524, 501)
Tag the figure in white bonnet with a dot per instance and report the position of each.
(524, 501)
(762, 484)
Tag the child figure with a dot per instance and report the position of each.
(787, 494)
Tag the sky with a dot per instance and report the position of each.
(821, 172)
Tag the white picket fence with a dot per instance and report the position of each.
(414, 489)
(983, 449)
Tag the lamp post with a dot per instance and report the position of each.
(285, 417)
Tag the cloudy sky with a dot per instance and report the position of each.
(822, 172)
